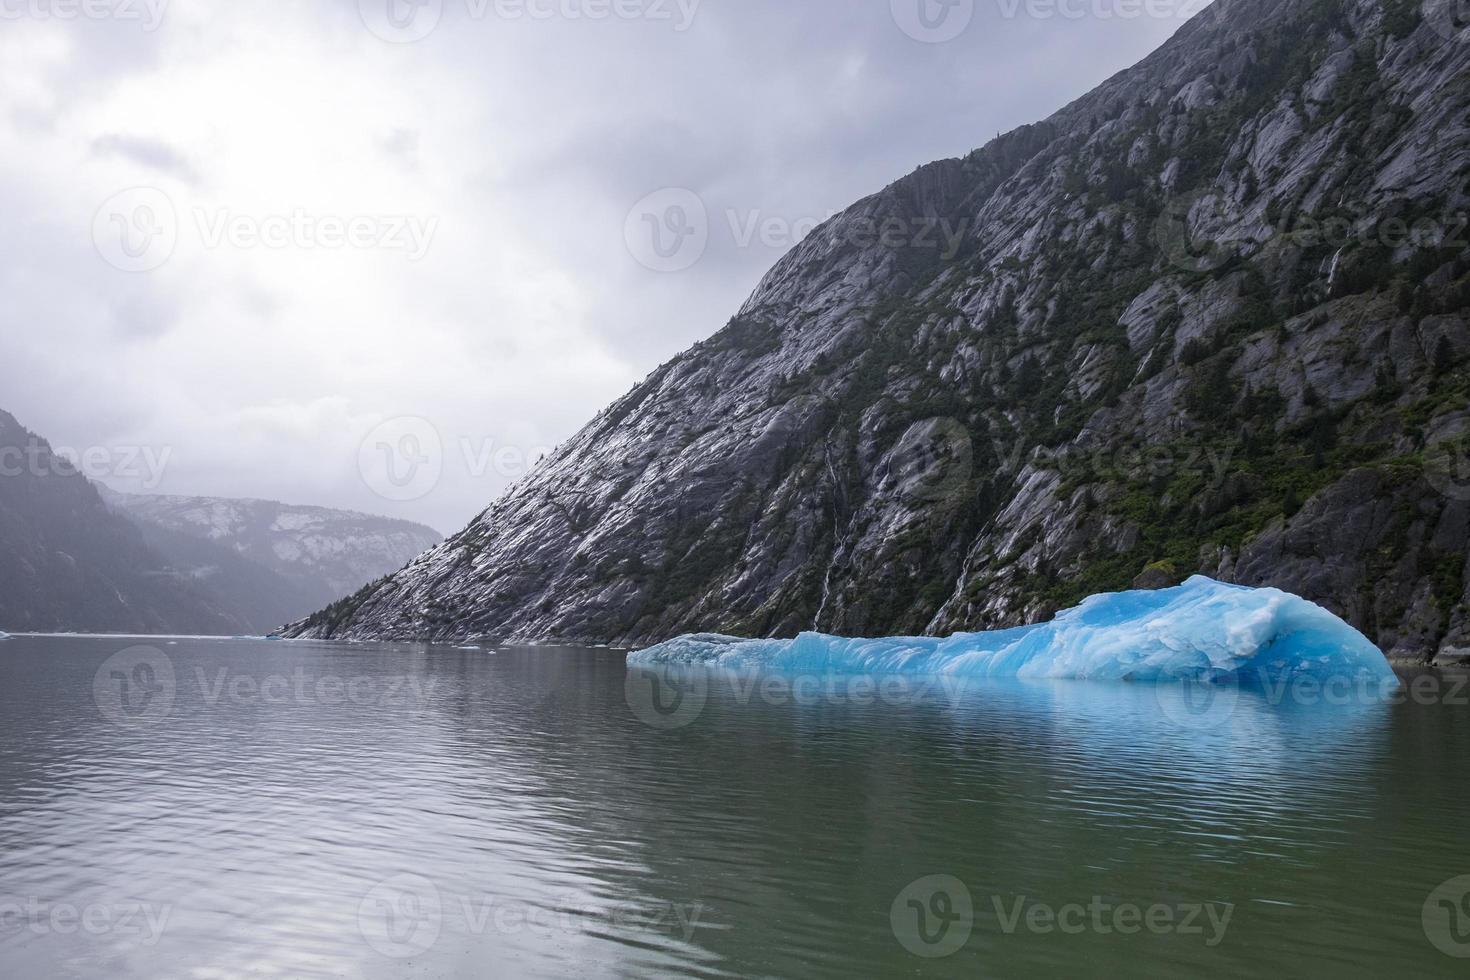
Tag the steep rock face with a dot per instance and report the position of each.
(1210, 317)
(68, 563)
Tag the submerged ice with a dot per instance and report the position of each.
(1202, 630)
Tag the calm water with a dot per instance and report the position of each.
(216, 809)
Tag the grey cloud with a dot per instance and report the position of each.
(403, 145)
(144, 314)
(154, 154)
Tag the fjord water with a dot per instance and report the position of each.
(245, 808)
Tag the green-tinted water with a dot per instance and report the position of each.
(241, 808)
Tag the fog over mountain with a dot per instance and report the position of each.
(310, 555)
(76, 556)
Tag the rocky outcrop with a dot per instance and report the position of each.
(1210, 317)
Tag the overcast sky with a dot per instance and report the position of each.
(270, 249)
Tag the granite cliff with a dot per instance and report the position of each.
(1211, 317)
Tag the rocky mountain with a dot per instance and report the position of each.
(258, 598)
(319, 554)
(1211, 317)
(69, 563)
(76, 556)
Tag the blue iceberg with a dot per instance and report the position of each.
(1202, 630)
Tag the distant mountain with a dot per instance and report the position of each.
(68, 563)
(258, 597)
(324, 554)
(76, 556)
(1211, 317)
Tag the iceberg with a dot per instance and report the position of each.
(1202, 630)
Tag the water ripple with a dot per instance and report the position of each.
(477, 815)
